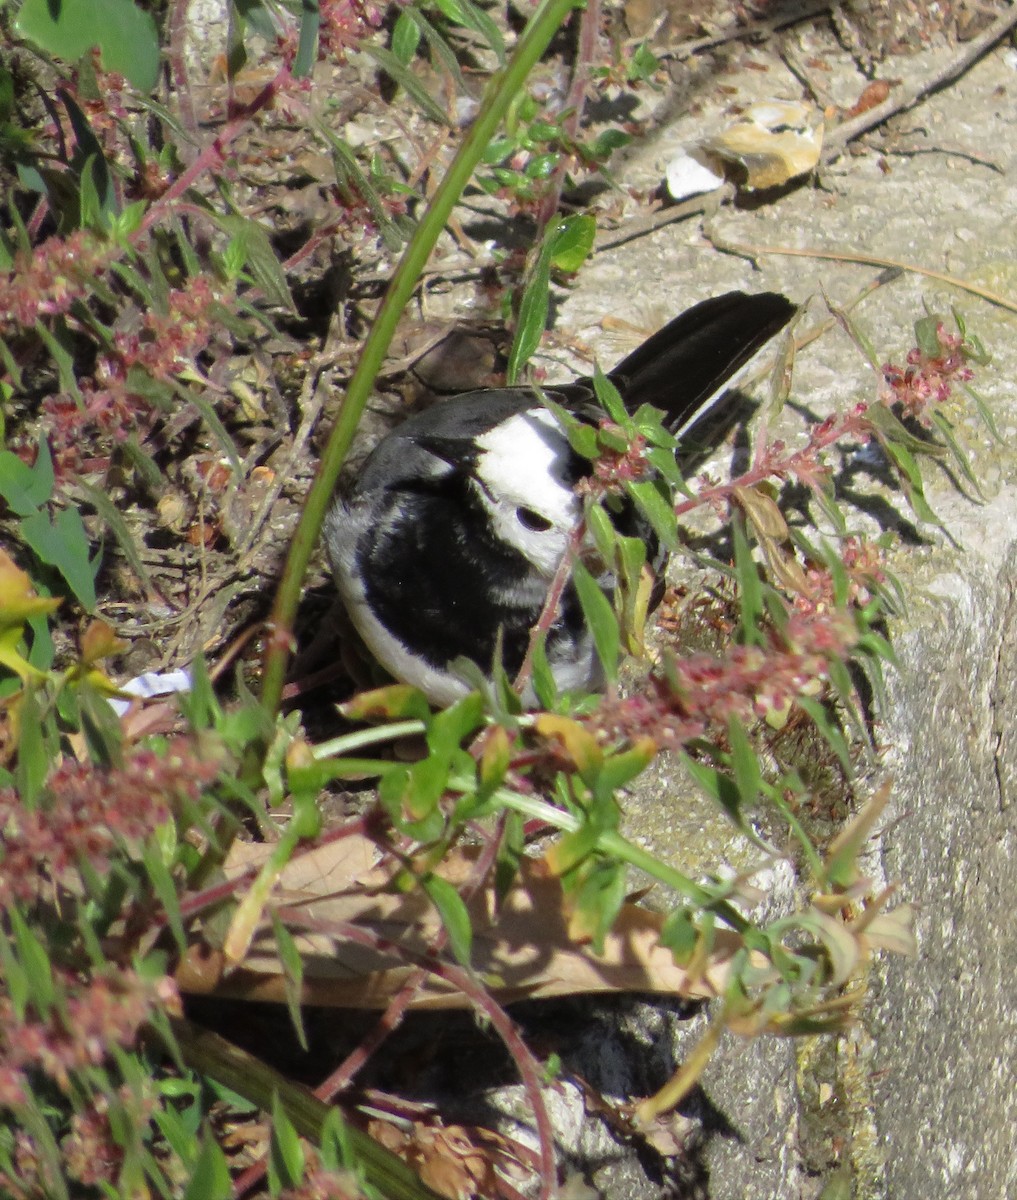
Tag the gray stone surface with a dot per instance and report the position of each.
(917, 1101)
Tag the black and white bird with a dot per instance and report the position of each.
(447, 542)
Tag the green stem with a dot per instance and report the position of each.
(249, 1077)
(360, 738)
(501, 89)
(616, 846)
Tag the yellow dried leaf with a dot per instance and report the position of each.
(579, 744)
(775, 141)
(18, 601)
(99, 642)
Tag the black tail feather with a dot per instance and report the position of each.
(686, 366)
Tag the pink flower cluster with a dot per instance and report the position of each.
(165, 344)
(345, 24)
(928, 379)
(864, 566)
(690, 697)
(612, 469)
(89, 812)
(94, 1015)
(47, 282)
(171, 340)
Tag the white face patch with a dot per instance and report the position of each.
(522, 481)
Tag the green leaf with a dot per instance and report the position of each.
(425, 785)
(631, 558)
(405, 37)
(260, 258)
(664, 463)
(201, 402)
(832, 734)
(409, 82)
(959, 456)
(572, 241)
(439, 47)
(448, 728)
(680, 935)
(98, 202)
(911, 481)
(607, 142)
(744, 764)
(165, 889)
(891, 431)
(454, 915)
(62, 543)
(654, 502)
(601, 528)
(174, 1127)
(749, 584)
(476, 18)
(210, 1179)
(609, 397)
(532, 319)
(99, 725)
(572, 849)
(123, 224)
(35, 963)
(58, 342)
(600, 616)
(15, 978)
(26, 488)
(335, 1144)
(451, 10)
(927, 337)
(983, 411)
(542, 677)
(293, 976)
(32, 764)
(307, 47)
(597, 903)
(642, 64)
(619, 769)
(126, 36)
(719, 787)
(498, 149)
(542, 166)
(355, 184)
(116, 524)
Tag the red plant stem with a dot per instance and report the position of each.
(766, 468)
(387, 1024)
(214, 154)
(34, 223)
(397, 1006)
(249, 1179)
(177, 25)
(480, 998)
(554, 595)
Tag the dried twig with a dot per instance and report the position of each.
(871, 260)
(911, 93)
(753, 30)
(708, 204)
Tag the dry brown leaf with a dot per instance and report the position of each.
(774, 140)
(774, 538)
(521, 950)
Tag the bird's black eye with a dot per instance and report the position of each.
(532, 520)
